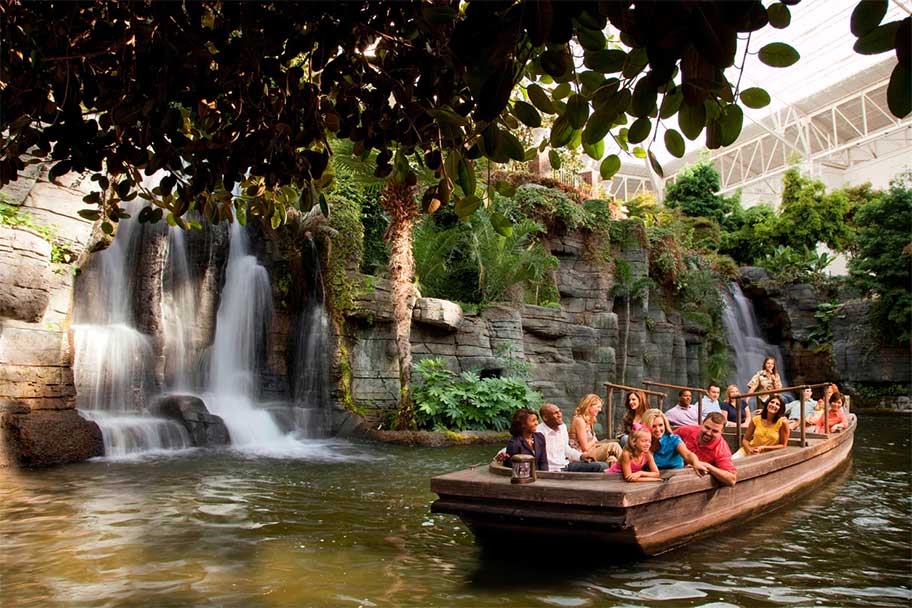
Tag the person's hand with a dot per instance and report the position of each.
(500, 457)
(700, 468)
(753, 451)
(633, 476)
(585, 457)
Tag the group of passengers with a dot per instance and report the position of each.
(650, 440)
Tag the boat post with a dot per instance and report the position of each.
(609, 415)
(801, 422)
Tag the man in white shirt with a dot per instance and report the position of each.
(561, 457)
(710, 401)
(683, 414)
(794, 408)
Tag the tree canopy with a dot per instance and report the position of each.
(214, 91)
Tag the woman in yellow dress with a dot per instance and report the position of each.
(766, 432)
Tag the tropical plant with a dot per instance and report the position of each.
(694, 192)
(882, 264)
(448, 401)
(787, 265)
(808, 215)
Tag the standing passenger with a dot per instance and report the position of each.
(767, 379)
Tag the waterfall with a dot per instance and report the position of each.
(241, 329)
(113, 362)
(746, 340)
(310, 377)
(179, 311)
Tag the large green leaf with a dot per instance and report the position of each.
(601, 120)
(527, 114)
(561, 132)
(779, 15)
(879, 40)
(554, 159)
(606, 61)
(541, 99)
(610, 166)
(674, 143)
(671, 102)
(644, 97)
(778, 55)
(467, 205)
(591, 40)
(656, 166)
(561, 90)
(755, 97)
(595, 151)
(591, 81)
(692, 119)
(731, 123)
(639, 130)
(577, 111)
(501, 224)
(867, 15)
(636, 61)
(512, 147)
(466, 174)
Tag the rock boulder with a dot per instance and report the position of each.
(40, 438)
(205, 429)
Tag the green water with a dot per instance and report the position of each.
(229, 529)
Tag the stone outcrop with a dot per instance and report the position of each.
(25, 260)
(573, 348)
(205, 429)
(859, 355)
(39, 438)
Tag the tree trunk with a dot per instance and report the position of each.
(398, 201)
(626, 338)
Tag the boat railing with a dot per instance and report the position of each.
(609, 408)
(801, 422)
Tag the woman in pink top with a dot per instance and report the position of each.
(637, 463)
(835, 415)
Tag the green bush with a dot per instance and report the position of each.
(445, 400)
(694, 192)
(787, 265)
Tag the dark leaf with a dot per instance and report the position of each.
(691, 120)
(867, 15)
(108, 228)
(778, 55)
(644, 97)
(591, 40)
(90, 214)
(561, 132)
(755, 97)
(527, 114)
(779, 15)
(561, 90)
(577, 111)
(540, 99)
(467, 205)
(61, 168)
(605, 61)
(466, 174)
(556, 61)
(554, 159)
(602, 119)
(639, 130)
(674, 143)
(671, 103)
(879, 40)
(636, 61)
(654, 162)
(324, 205)
(899, 91)
(731, 123)
(504, 188)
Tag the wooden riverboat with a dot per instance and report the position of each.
(651, 518)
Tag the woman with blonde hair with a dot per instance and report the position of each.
(668, 450)
(582, 431)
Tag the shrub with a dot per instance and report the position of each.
(445, 400)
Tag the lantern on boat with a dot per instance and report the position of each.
(523, 468)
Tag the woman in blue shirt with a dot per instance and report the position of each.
(668, 450)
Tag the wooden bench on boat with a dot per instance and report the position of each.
(599, 508)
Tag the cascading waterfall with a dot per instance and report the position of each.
(745, 338)
(310, 379)
(241, 329)
(113, 359)
(179, 311)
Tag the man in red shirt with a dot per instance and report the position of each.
(707, 443)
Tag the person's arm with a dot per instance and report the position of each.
(650, 472)
(690, 458)
(777, 382)
(582, 437)
(746, 439)
(727, 478)
(541, 455)
(624, 462)
(753, 383)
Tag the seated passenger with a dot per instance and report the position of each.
(734, 405)
(562, 457)
(634, 406)
(766, 432)
(668, 450)
(836, 416)
(582, 431)
(636, 462)
(684, 413)
(710, 402)
(525, 439)
(794, 408)
(708, 445)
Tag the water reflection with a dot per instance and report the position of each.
(231, 529)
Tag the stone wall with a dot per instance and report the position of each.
(38, 424)
(574, 349)
(856, 358)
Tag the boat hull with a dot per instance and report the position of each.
(648, 518)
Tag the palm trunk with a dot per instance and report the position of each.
(399, 202)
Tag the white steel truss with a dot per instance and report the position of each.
(841, 134)
(623, 186)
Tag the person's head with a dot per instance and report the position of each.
(773, 409)
(685, 397)
(712, 427)
(713, 392)
(524, 421)
(732, 393)
(807, 393)
(635, 405)
(639, 441)
(769, 365)
(836, 401)
(551, 415)
(588, 407)
(656, 422)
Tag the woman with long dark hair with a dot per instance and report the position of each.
(766, 432)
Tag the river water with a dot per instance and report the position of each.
(342, 524)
